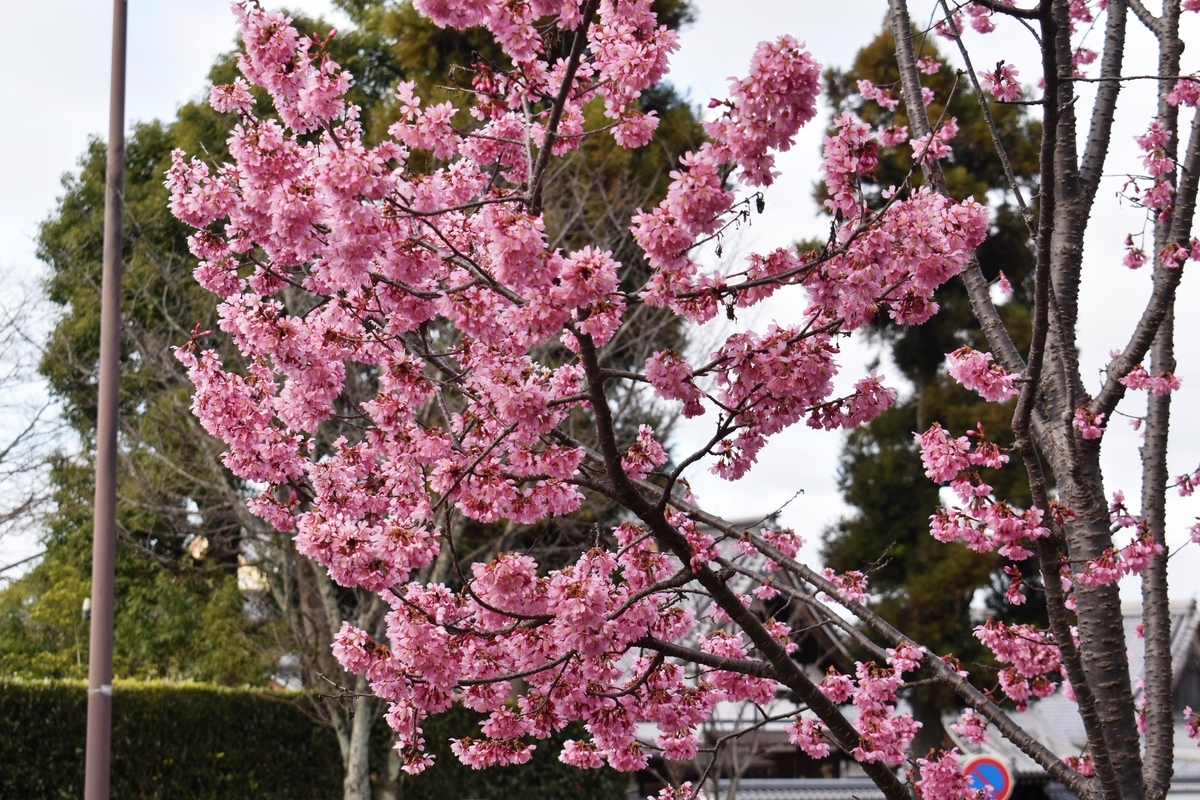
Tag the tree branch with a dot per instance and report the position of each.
(1166, 281)
(1095, 153)
(998, 7)
(976, 699)
(997, 335)
(1049, 761)
(1001, 151)
(740, 665)
(564, 91)
(1143, 14)
(786, 670)
(1156, 616)
(817, 607)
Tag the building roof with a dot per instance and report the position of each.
(804, 789)
(1184, 621)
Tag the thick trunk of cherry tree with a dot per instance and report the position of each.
(1160, 718)
(1099, 618)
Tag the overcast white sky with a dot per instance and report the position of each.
(56, 63)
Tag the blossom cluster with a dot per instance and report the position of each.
(976, 370)
(935, 145)
(980, 20)
(1002, 82)
(942, 776)
(1160, 169)
(971, 727)
(1033, 657)
(980, 522)
(884, 734)
(1163, 383)
(1088, 423)
(1084, 765)
(1115, 563)
(883, 97)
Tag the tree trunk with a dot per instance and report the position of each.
(357, 783)
(389, 784)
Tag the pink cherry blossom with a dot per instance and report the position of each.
(935, 145)
(944, 458)
(883, 97)
(1191, 721)
(806, 734)
(767, 107)
(1185, 93)
(853, 585)
(929, 65)
(644, 455)
(1088, 424)
(975, 370)
(971, 727)
(942, 778)
(1031, 652)
(1002, 82)
(1135, 257)
(1081, 764)
(425, 262)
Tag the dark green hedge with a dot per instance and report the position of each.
(169, 741)
(192, 742)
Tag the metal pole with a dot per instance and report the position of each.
(104, 543)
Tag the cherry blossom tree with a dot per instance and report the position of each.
(437, 274)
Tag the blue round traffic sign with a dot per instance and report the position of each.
(989, 774)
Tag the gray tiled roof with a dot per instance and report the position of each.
(1184, 620)
(1181, 789)
(804, 789)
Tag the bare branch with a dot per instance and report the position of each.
(1166, 281)
(1001, 151)
(568, 80)
(1143, 14)
(998, 7)
(978, 291)
(1095, 153)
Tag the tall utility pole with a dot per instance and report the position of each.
(104, 543)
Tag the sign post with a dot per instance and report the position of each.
(991, 775)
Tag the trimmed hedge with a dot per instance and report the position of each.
(190, 742)
(193, 742)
